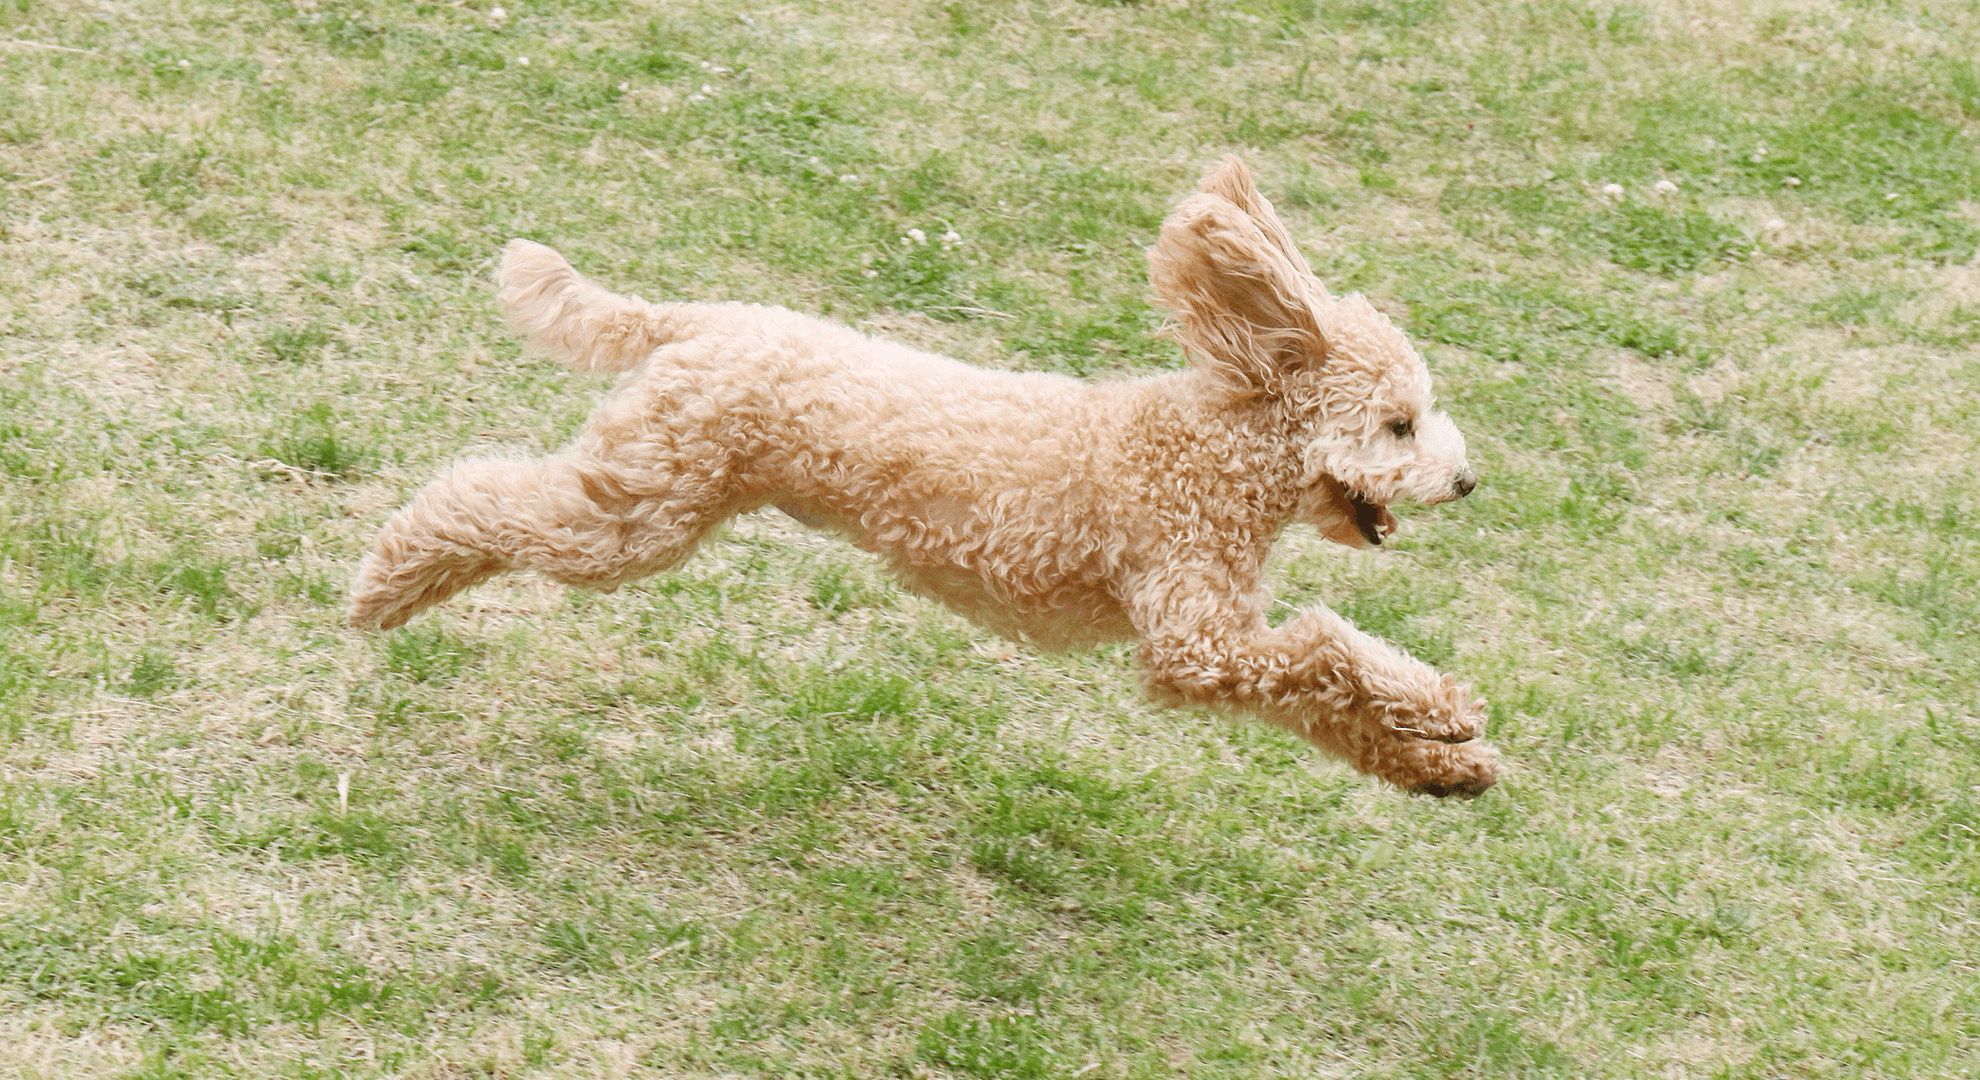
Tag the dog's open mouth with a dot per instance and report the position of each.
(1345, 517)
(1373, 520)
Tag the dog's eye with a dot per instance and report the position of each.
(1402, 429)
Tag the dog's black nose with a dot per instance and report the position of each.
(1465, 482)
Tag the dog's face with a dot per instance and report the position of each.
(1249, 309)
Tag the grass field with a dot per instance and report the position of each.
(1698, 280)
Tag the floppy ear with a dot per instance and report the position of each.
(1245, 301)
(1232, 180)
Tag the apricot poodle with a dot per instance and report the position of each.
(1047, 509)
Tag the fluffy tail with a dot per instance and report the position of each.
(562, 314)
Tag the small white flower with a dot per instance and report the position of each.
(1792, 181)
(707, 90)
(1613, 191)
(624, 86)
(1774, 224)
(185, 63)
(952, 237)
(869, 273)
(1890, 196)
(916, 236)
(498, 13)
(1663, 187)
(705, 65)
(848, 178)
(522, 61)
(696, 99)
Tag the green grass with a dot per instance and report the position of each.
(770, 816)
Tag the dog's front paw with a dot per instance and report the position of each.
(1450, 715)
(1465, 770)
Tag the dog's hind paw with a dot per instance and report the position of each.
(378, 611)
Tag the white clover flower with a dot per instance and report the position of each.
(869, 273)
(1663, 187)
(1613, 191)
(707, 90)
(1890, 196)
(951, 238)
(1774, 224)
(848, 178)
(915, 236)
(624, 86)
(522, 61)
(498, 13)
(1792, 181)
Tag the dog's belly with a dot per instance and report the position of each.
(1055, 611)
(1068, 617)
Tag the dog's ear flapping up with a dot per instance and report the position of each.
(1246, 304)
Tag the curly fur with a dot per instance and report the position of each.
(1044, 508)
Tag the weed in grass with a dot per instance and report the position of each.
(1014, 1047)
(295, 345)
(574, 945)
(506, 855)
(832, 759)
(357, 834)
(1122, 334)
(198, 578)
(319, 443)
(169, 174)
(70, 557)
(1664, 241)
(993, 967)
(1404, 614)
(838, 589)
(20, 457)
(927, 275)
(1046, 829)
(279, 536)
(444, 253)
(856, 696)
(152, 672)
(429, 655)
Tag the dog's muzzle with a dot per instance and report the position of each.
(1465, 482)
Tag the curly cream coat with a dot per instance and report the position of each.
(1044, 508)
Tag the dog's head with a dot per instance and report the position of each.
(1249, 310)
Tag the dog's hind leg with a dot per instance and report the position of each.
(559, 516)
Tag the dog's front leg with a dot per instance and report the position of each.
(1347, 692)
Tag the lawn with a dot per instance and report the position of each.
(1698, 280)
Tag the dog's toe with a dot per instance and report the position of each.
(1468, 789)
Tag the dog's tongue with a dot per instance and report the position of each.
(1373, 519)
